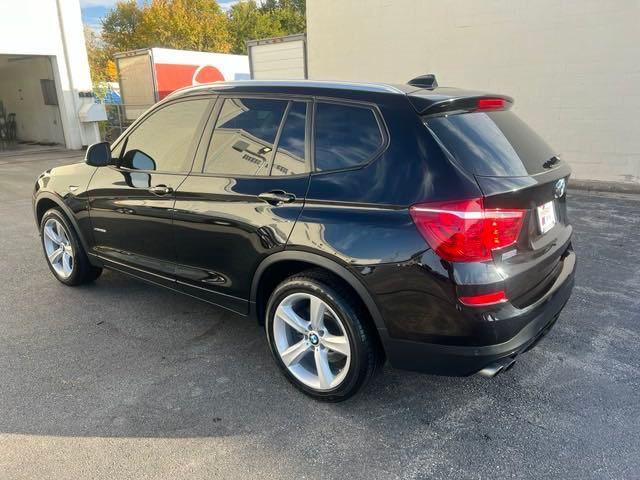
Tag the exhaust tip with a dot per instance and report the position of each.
(495, 368)
(490, 371)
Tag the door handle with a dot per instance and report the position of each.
(276, 197)
(161, 190)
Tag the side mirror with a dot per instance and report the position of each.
(98, 155)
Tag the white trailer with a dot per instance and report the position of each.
(281, 58)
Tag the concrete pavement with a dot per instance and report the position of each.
(124, 380)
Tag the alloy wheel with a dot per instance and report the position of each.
(311, 341)
(58, 248)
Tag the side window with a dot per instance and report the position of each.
(242, 142)
(290, 156)
(163, 140)
(345, 136)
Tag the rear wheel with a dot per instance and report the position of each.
(319, 337)
(65, 256)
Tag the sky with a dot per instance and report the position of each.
(94, 10)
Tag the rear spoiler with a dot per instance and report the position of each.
(429, 106)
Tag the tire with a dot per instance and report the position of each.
(343, 323)
(60, 242)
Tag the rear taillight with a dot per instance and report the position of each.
(465, 231)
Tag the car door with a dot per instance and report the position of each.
(131, 202)
(242, 199)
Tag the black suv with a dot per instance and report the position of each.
(358, 222)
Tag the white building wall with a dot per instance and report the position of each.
(573, 66)
(53, 28)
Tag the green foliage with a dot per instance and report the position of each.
(297, 5)
(189, 25)
(273, 18)
(120, 28)
(184, 24)
(99, 60)
(119, 33)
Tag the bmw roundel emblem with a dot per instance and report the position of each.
(559, 188)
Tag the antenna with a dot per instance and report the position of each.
(424, 81)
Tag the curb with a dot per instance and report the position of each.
(599, 186)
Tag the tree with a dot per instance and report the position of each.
(99, 61)
(181, 24)
(184, 24)
(111, 71)
(248, 21)
(289, 16)
(273, 18)
(298, 6)
(120, 28)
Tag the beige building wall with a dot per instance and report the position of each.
(21, 93)
(573, 66)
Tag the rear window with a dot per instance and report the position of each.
(496, 144)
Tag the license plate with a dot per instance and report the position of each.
(546, 217)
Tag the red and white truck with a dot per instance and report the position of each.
(148, 75)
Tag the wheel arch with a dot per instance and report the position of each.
(310, 260)
(46, 201)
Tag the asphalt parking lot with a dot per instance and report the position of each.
(124, 380)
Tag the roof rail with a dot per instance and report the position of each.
(341, 85)
(424, 81)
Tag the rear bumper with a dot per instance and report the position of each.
(456, 360)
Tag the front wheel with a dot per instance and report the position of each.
(319, 337)
(65, 256)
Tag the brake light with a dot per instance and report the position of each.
(484, 299)
(489, 104)
(465, 231)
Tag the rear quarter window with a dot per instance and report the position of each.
(496, 144)
(345, 136)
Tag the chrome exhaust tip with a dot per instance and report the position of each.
(490, 371)
(495, 368)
